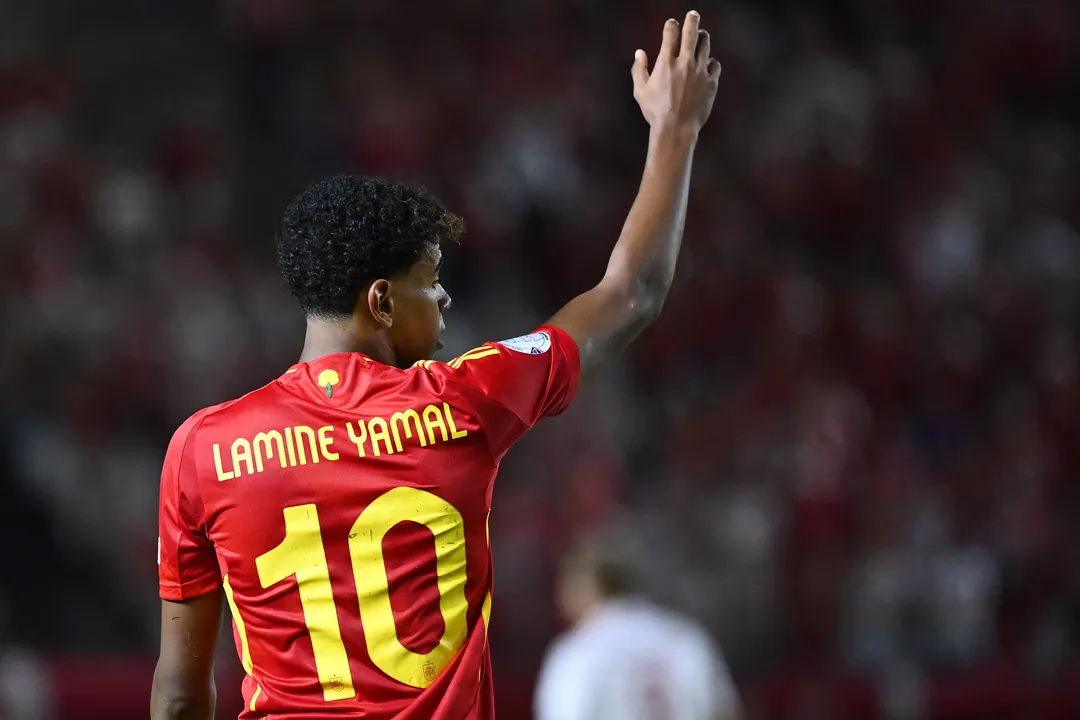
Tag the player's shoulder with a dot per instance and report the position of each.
(643, 618)
(678, 624)
(688, 637)
(184, 433)
(606, 628)
(571, 652)
(450, 368)
(516, 350)
(190, 427)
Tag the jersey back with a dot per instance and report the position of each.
(344, 510)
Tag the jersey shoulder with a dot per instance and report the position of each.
(640, 623)
(571, 657)
(531, 376)
(684, 631)
(187, 430)
(693, 650)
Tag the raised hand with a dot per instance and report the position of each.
(678, 93)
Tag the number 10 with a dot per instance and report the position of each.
(302, 554)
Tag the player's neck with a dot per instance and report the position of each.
(328, 338)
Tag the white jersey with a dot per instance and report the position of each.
(631, 660)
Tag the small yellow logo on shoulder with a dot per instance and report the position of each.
(328, 379)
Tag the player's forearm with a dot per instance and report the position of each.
(168, 702)
(643, 260)
(183, 710)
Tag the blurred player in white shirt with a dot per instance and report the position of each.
(626, 658)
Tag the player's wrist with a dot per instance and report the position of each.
(673, 136)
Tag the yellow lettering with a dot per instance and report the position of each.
(358, 440)
(454, 432)
(241, 450)
(325, 441)
(290, 444)
(433, 419)
(221, 474)
(262, 448)
(403, 418)
(303, 431)
(378, 431)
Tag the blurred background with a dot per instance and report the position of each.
(850, 446)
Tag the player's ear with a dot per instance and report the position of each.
(379, 303)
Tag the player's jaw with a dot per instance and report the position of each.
(416, 322)
(437, 343)
(419, 326)
(416, 336)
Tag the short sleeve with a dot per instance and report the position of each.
(514, 383)
(187, 563)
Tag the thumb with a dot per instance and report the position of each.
(640, 70)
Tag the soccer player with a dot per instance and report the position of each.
(341, 511)
(626, 658)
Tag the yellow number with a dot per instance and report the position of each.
(373, 588)
(301, 554)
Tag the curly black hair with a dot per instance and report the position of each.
(342, 233)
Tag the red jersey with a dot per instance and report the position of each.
(344, 509)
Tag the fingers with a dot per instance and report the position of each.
(669, 48)
(640, 69)
(690, 35)
(713, 69)
(704, 48)
(689, 42)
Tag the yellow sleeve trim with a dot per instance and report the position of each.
(480, 352)
(245, 651)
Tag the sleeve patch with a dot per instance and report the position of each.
(536, 343)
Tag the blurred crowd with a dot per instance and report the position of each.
(851, 444)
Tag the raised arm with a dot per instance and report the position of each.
(676, 99)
